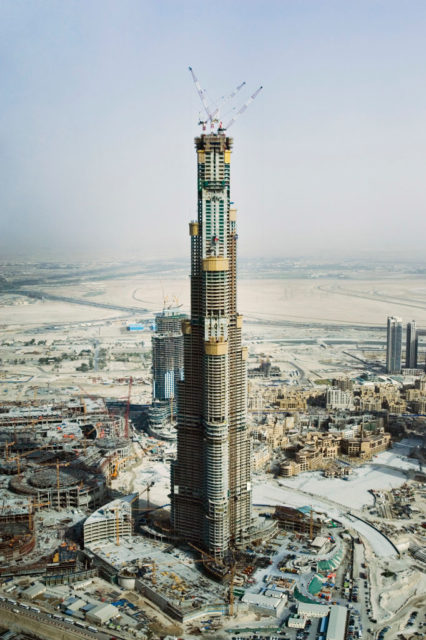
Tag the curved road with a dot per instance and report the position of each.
(272, 495)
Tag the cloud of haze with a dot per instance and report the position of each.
(99, 113)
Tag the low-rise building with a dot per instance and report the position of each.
(112, 521)
(264, 604)
(260, 457)
(312, 610)
(102, 613)
(274, 593)
(296, 622)
(365, 447)
(337, 622)
(37, 589)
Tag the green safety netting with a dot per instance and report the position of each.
(300, 597)
(324, 566)
(315, 585)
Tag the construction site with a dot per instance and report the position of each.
(218, 506)
(58, 460)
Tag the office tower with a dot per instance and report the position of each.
(411, 346)
(210, 479)
(167, 354)
(394, 345)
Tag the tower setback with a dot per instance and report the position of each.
(211, 477)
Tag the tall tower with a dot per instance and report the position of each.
(394, 345)
(411, 346)
(167, 354)
(211, 477)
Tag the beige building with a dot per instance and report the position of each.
(320, 449)
(380, 396)
(260, 458)
(365, 447)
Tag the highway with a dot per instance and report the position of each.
(30, 621)
(27, 620)
(39, 295)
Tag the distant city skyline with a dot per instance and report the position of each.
(98, 107)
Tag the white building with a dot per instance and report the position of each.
(102, 613)
(337, 622)
(338, 399)
(274, 593)
(308, 610)
(296, 622)
(264, 604)
(113, 521)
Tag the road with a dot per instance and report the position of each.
(31, 621)
(397, 620)
(287, 494)
(88, 303)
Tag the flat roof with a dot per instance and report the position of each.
(119, 506)
(261, 600)
(307, 609)
(337, 622)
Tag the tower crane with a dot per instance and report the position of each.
(147, 489)
(227, 99)
(7, 447)
(31, 506)
(214, 117)
(202, 96)
(19, 456)
(243, 108)
(58, 464)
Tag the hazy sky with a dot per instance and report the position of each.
(98, 115)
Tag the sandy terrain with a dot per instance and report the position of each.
(316, 300)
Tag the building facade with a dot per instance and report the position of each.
(113, 521)
(167, 354)
(211, 477)
(394, 345)
(411, 346)
(338, 399)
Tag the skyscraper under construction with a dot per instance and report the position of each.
(210, 479)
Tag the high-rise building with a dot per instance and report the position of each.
(211, 477)
(394, 345)
(167, 354)
(411, 346)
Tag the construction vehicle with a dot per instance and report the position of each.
(118, 463)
